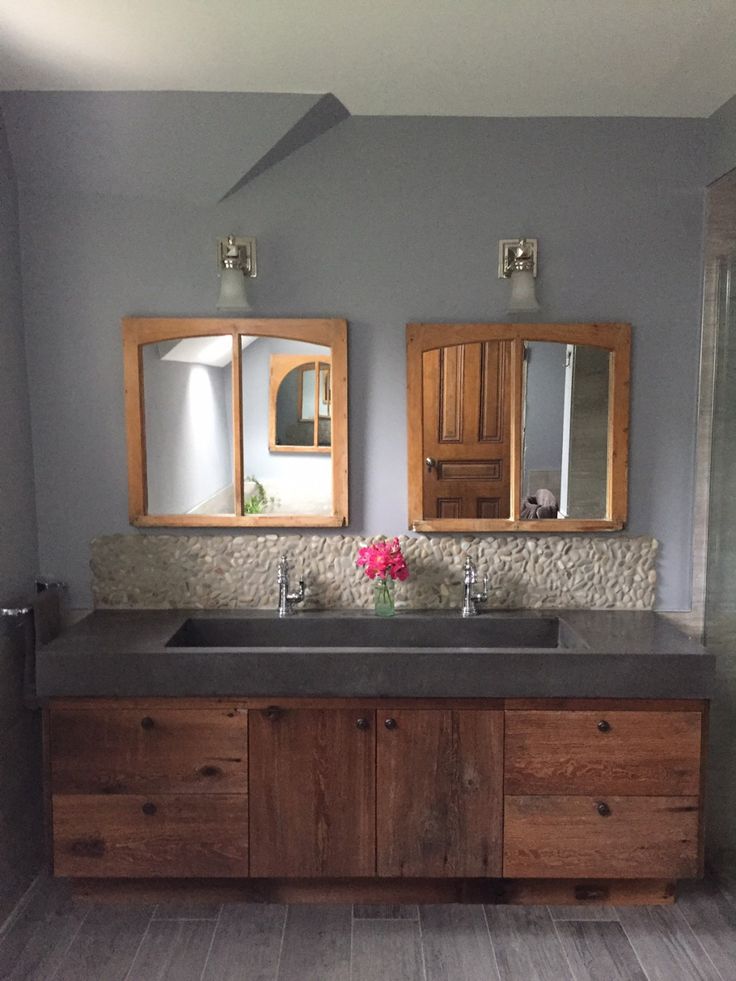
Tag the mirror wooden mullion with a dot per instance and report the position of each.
(237, 409)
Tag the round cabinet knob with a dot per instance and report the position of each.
(603, 809)
(149, 808)
(363, 724)
(209, 771)
(604, 726)
(273, 712)
(390, 723)
(147, 722)
(430, 463)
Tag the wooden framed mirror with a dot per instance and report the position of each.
(202, 424)
(518, 427)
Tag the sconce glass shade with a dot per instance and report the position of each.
(233, 295)
(523, 295)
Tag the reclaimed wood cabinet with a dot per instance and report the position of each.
(379, 791)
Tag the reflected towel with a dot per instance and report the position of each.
(543, 504)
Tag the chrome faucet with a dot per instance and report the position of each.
(287, 599)
(470, 598)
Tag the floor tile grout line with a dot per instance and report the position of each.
(490, 940)
(281, 945)
(418, 921)
(212, 938)
(23, 903)
(633, 946)
(140, 943)
(699, 942)
(68, 947)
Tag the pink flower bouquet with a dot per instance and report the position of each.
(383, 560)
(383, 563)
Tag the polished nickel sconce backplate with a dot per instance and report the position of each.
(517, 255)
(238, 253)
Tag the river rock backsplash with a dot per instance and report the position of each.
(141, 571)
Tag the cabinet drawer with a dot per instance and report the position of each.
(601, 752)
(156, 750)
(136, 836)
(636, 837)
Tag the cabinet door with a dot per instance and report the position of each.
(312, 790)
(439, 793)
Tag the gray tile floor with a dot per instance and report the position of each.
(58, 937)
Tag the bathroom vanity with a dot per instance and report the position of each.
(554, 756)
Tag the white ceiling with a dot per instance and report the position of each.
(389, 57)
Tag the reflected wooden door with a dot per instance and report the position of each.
(466, 391)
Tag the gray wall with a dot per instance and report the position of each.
(382, 221)
(19, 736)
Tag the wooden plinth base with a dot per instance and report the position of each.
(520, 892)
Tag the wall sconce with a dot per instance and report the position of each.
(517, 261)
(236, 261)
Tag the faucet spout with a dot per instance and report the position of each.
(287, 599)
(471, 599)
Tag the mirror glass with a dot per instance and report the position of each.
(565, 431)
(287, 427)
(467, 430)
(187, 387)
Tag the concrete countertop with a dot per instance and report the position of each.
(121, 653)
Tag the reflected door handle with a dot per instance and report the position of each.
(430, 462)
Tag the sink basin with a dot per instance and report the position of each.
(356, 631)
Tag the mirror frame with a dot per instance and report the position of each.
(139, 331)
(614, 337)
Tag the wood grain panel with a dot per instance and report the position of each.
(176, 835)
(438, 795)
(645, 753)
(449, 507)
(312, 785)
(451, 367)
(489, 507)
(148, 750)
(493, 406)
(641, 837)
(469, 470)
